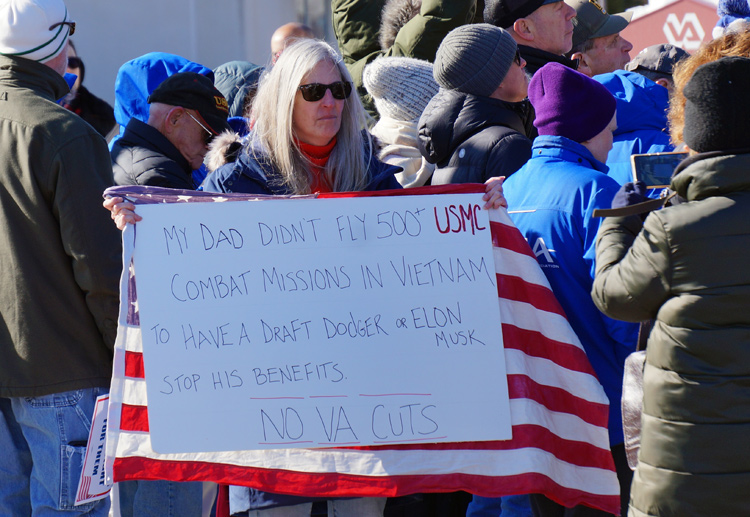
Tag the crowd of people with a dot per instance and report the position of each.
(539, 100)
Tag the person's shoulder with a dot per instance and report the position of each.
(382, 175)
(488, 119)
(491, 135)
(229, 170)
(248, 174)
(49, 127)
(444, 103)
(554, 164)
(144, 153)
(581, 174)
(60, 135)
(440, 125)
(143, 165)
(61, 125)
(594, 188)
(499, 136)
(602, 180)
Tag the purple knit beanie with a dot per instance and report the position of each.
(569, 104)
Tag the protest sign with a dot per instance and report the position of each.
(93, 483)
(560, 443)
(316, 323)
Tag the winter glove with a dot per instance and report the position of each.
(631, 200)
(630, 194)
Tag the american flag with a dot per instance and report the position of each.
(560, 444)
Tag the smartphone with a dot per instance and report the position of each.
(655, 169)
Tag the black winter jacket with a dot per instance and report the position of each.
(143, 156)
(93, 110)
(473, 138)
(536, 59)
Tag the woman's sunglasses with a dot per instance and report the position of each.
(517, 58)
(316, 91)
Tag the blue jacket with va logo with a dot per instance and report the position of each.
(551, 200)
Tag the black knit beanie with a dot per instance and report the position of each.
(717, 108)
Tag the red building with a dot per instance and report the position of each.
(685, 23)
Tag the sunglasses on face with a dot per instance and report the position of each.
(71, 25)
(517, 58)
(74, 62)
(209, 135)
(316, 91)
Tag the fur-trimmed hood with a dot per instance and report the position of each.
(223, 149)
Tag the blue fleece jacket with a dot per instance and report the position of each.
(551, 200)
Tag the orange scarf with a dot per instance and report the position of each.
(318, 156)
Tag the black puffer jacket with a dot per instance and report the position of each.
(473, 138)
(143, 156)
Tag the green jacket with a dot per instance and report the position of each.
(60, 253)
(356, 24)
(687, 268)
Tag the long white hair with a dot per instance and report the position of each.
(273, 133)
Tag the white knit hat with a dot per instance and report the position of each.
(400, 86)
(33, 29)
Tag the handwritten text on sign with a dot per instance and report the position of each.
(320, 322)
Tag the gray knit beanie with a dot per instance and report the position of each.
(474, 59)
(400, 86)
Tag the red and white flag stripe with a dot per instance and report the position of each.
(560, 444)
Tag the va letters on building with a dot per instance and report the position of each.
(320, 323)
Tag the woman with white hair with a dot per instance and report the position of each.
(307, 127)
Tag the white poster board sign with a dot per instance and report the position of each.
(320, 323)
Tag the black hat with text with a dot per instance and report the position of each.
(197, 92)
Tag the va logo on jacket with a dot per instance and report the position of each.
(543, 254)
